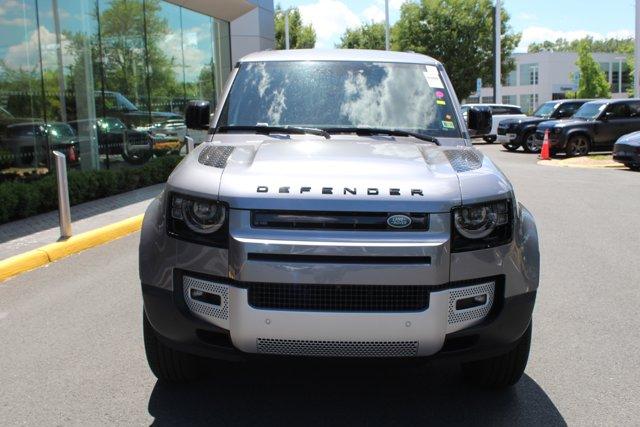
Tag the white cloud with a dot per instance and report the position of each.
(537, 34)
(373, 13)
(330, 18)
(25, 55)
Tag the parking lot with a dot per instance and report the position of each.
(72, 349)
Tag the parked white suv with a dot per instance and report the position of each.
(499, 113)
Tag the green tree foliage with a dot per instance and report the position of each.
(593, 82)
(127, 59)
(459, 33)
(300, 36)
(368, 36)
(563, 45)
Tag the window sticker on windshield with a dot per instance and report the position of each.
(448, 125)
(441, 102)
(439, 94)
(433, 77)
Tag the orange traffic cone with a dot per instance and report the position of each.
(544, 153)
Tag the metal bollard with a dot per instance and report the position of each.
(64, 209)
(190, 144)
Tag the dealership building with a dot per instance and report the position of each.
(86, 73)
(544, 76)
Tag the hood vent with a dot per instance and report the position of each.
(464, 160)
(215, 155)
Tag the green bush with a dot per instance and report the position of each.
(23, 199)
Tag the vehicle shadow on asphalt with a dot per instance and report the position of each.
(265, 394)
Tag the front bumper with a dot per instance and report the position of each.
(629, 155)
(164, 261)
(557, 141)
(249, 333)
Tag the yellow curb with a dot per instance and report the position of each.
(52, 252)
(24, 262)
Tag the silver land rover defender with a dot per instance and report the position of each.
(338, 210)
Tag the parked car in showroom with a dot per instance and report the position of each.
(338, 210)
(521, 132)
(30, 143)
(597, 125)
(114, 138)
(499, 113)
(626, 150)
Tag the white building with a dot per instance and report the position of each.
(544, 76)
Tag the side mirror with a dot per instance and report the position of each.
(563, 114)
(197, 115)
(607, 115)
(479, 120)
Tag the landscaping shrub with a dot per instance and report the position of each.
(23, 199)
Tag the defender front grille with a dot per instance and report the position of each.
(339, 298)
(337, 348)
(359, 221)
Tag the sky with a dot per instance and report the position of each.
(537, 20)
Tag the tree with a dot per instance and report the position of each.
(127, 59)
(368, 36)
(459, 33)
(593, 82)
(300, 36)
(563, 45)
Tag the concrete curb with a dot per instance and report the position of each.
(52, 252)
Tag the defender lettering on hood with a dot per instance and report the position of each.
(345, 191)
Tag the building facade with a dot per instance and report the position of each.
(544, 76)
(102, 79)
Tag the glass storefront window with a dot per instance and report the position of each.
(105, 81)
(511, 79)
(22, 134)
(528, 74)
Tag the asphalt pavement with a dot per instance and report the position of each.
(71, 348)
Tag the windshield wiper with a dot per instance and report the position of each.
(382, 131)
(275, 129)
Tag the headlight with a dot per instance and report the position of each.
(481, 226)
(197, 220)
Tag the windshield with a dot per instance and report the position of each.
(590, 110)
(338, 94)
(546, 109)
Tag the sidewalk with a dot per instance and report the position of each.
(30, 233)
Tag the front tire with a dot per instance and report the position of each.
(529, 142)
(578, 145)
(166, 363)
(511, 146)
(500, 371)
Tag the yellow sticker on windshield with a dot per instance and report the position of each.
(441, 102)
(448, 125)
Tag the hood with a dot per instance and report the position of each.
(523, 120)
(344, 173)
(632, 139)
(561, 123)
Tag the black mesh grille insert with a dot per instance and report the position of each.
(339, 298)
(362, 221)
(215, 155)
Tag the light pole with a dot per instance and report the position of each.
(497, 83)
(636, 68)
(286, 29)
(386, 24)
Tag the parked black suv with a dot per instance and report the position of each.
(597, 124)
(515, 133)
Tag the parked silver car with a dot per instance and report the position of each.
(338, 209)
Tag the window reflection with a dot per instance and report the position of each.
(104, 81)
